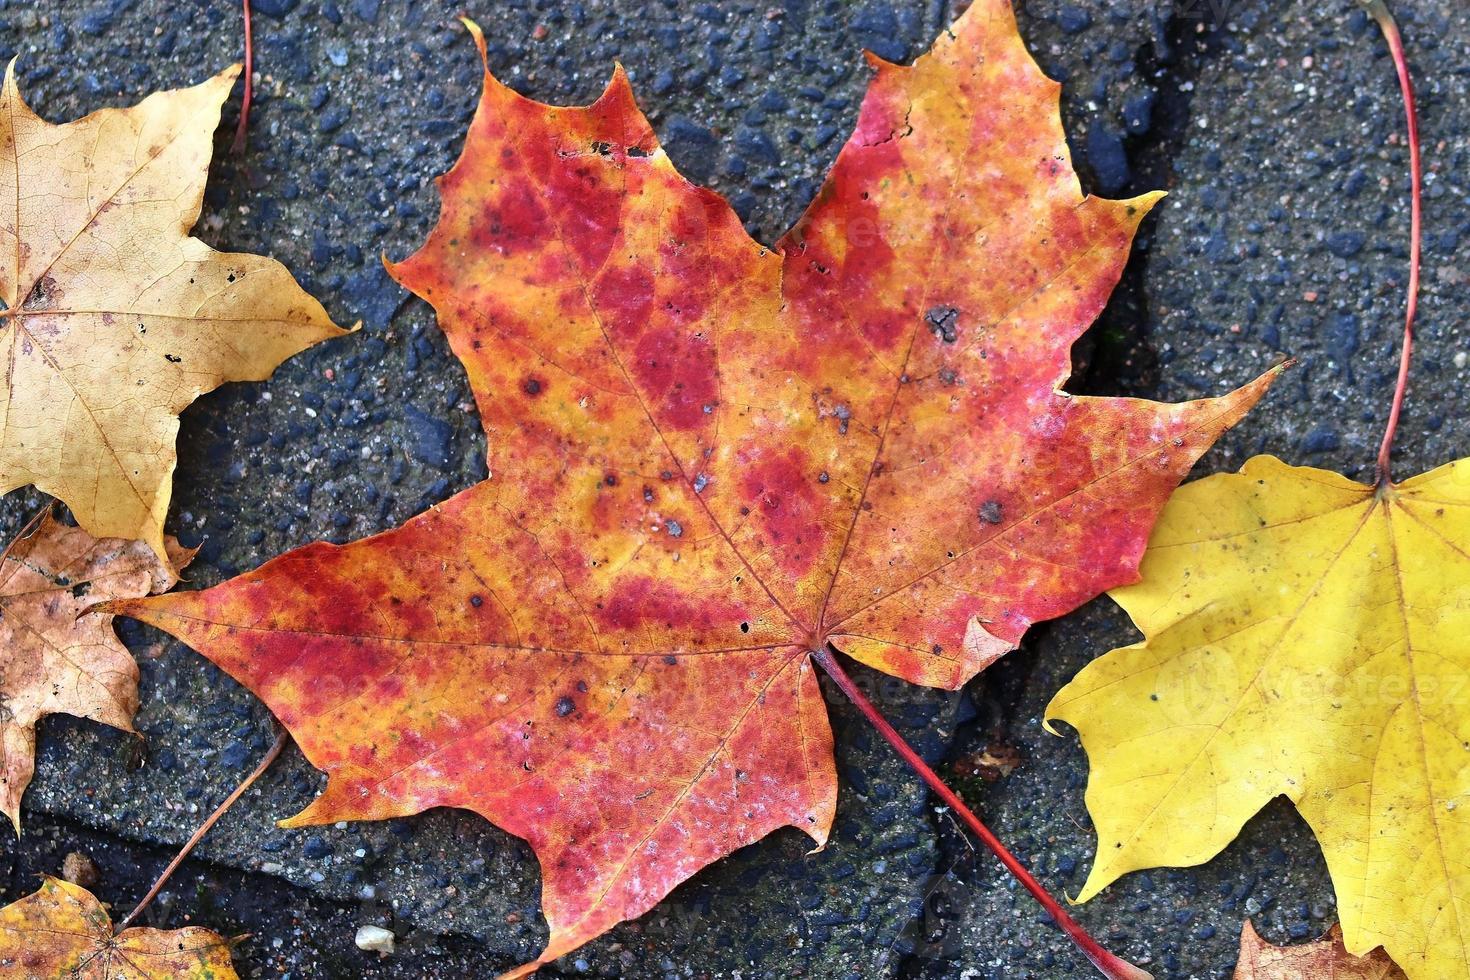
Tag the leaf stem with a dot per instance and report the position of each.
(275, 750)
(1108, 964)
(1379, 11)
(239, 145)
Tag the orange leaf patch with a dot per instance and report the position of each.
(707, 458)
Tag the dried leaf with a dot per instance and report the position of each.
(55, 656)
(62, 932)
(1305, 638)
(1325, 959)
(113, 319)
(708, 458)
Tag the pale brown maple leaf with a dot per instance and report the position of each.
(56, 657)
(112, 318)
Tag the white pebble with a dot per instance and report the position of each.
(375, 939)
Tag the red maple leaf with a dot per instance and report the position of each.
(710, 459)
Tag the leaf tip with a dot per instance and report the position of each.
(618, 89)
(135, 608)
(1150, 198)
(877, 62)
(395, 269)
(818, 831)
(223, 83)
(10, 91)
(478, 36)
(524, 970)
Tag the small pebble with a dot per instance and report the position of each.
(375, 939)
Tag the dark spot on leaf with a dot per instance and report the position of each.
(564, 706)
(671, 660)
(532, 386)
(943, 322)
(476, 601)
(990, 512)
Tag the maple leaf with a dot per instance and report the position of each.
(1325, 959)
(1304, 637)
(62, 932)
(709, 459)
(113, 318)
(55, 657)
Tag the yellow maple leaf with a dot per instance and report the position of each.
(114, 319)
(62, 932)
(1306, 636)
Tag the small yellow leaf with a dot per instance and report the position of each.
(62, 932)
(1306, 637)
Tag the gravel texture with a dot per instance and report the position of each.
(1273, 126)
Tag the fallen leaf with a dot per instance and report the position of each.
(113, 319)
(1325, 959)
(62, 932)
(1305, 637)
(79, 869)
(55, 658)
(708, 458)
(993, 763)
